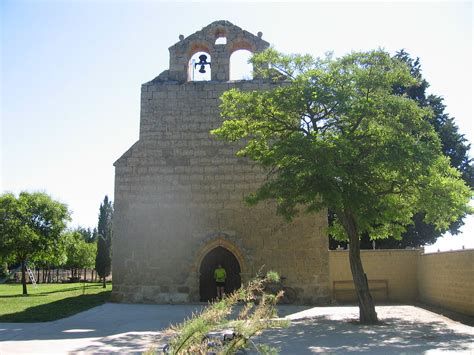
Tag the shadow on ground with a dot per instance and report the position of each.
(131, 342)
(57, 309)
(108, 320)
(394, 336)
(119, 328)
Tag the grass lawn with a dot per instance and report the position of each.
(49, 301)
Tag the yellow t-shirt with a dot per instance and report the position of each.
(220, 274)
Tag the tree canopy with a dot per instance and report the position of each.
(31, 226)
(334, 134)
(453, 145)
(80, 253)
(89, 235)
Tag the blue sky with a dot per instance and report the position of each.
(71, 73)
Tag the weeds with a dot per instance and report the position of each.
(222, 328)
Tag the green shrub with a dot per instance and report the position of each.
(239, 316)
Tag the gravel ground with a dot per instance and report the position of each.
(124, 328)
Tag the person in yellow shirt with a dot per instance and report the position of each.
(220, 275)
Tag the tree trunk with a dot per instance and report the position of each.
(103, 285)
(367, 314)
(23, 278)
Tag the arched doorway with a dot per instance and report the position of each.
(218, 255)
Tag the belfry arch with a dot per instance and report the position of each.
(196, 50)
(220, 39)
(199, 66)
(239, 67)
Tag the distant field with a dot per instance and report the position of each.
(49, 301)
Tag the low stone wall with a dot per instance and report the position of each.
(442, 279)
(398, 267)
(446, 279)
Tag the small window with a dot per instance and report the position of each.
(221, 40)
(240, 67)
(200, 67)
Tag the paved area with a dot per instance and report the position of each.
(123, 328)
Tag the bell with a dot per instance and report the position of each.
(202, 62)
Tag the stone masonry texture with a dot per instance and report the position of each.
(179, 192)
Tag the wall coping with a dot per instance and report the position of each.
(380, 250)
(449, 251)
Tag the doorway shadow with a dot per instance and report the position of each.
(218, 256)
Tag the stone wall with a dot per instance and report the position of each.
(398, 267)
(447, 279)
(441, 279)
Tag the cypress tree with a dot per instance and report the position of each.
(103, 259)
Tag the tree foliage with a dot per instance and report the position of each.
(335, 135)
(103, 259)
(31, 227)
(80, 254)
(89, 235)
(453, 145)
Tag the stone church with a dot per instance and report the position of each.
(179, 192)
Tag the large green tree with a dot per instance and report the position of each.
(31, 227)
(103, 259)
(334, 135)
(453, 145)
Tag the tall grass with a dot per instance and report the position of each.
(230, 324)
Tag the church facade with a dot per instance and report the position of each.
(179, 192)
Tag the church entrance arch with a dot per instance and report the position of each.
(216, 256)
